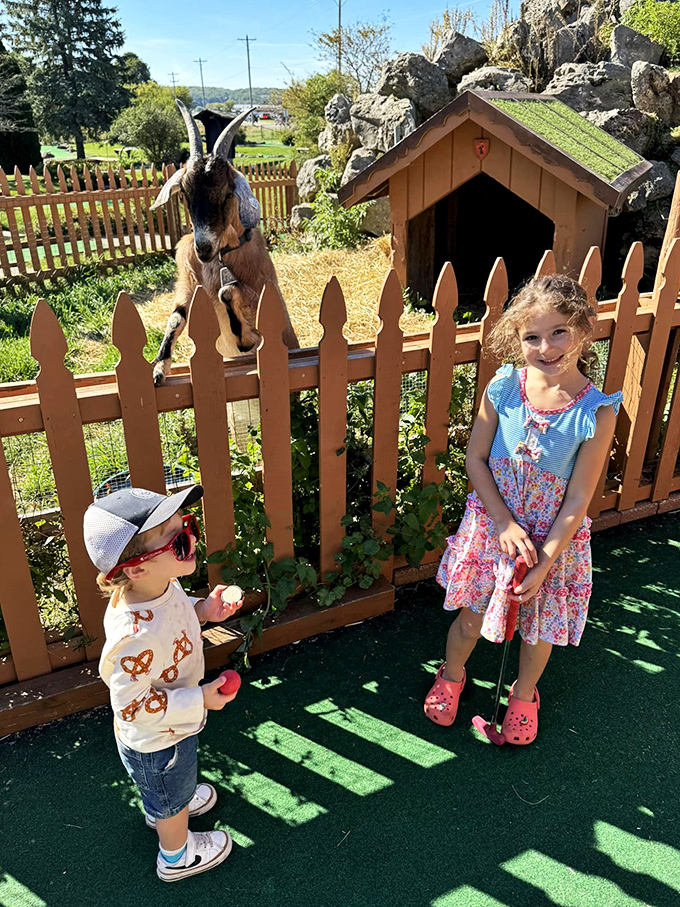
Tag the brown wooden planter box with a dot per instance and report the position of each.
(74, 689)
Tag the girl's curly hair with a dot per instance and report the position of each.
(554, 291)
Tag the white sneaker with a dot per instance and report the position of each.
(205, 849)
(204, 798)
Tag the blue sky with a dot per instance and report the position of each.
(170, 35)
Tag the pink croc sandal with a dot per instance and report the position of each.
(520, 724)
(441, 703)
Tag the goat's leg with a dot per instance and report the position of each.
(175, 326)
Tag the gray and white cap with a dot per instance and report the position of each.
(111, 522)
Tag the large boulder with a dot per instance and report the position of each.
(307, 182)
(659, 183)
(628, 45)
(494, 78)
(379, 122)
(359, 160)
(337, 109)
(300, 216)
(655, 92)
(551, 33)
(634, 128)
(337, 134)
(592, 86)
(378, 218)
(412, 76)
(458, 56)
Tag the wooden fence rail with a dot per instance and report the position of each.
(44, 676)
(48, 231)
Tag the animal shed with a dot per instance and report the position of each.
(497, 174)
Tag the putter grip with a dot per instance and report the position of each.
(513, 610)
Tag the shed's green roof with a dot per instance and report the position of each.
(567, 130)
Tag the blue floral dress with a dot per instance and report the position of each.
(531, 460)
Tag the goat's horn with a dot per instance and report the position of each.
(195, 141)
(223, 141)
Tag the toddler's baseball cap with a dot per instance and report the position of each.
(110, 523)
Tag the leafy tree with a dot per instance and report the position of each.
(659, 21)
(152, 122)
(453, 19)
(361, 49)
(133, 71)
(306, 100)
(68, 50)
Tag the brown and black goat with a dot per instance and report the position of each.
(225, 256)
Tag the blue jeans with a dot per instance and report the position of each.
(166, 779)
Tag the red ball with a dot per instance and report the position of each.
(231, 682)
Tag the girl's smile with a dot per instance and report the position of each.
(547, 341)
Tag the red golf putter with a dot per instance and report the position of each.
(490, 729)
(231, 682)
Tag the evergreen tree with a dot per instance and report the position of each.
(19, 142)
(71, 72)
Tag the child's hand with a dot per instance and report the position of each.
(214, 609)
(531, 583)
(212, 698)
(513, 540)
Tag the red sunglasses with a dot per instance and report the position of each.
(181, 546)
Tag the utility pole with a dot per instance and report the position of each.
(172, 76)
(339, 37)
(250, 84)
(200, 64)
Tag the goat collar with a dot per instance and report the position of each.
(245, 237)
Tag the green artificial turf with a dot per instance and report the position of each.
(339, 791)
(567, 130)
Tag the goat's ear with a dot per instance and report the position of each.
(167, 189)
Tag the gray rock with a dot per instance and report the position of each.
(628, 46)
(376, 119)
(655, 218)
(675, 156)
(495, 78)
(378, 218)
(337, 110)
(307, 183)
(592, 86)
(659, 183)
(652, 93)
(299, 217)
(359, 160)
(634, 128)
(458, 56)
(337, 134)
(412, 76)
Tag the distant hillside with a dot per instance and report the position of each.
(215, 95)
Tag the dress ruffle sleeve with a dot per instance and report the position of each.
(497, 387)
(589, 417)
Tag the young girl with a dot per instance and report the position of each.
(537, 451)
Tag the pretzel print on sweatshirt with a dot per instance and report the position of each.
(137, 664)
(183, 647)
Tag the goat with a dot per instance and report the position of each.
(226, 254)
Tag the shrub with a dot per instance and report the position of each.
(332, 226)
(659, 21)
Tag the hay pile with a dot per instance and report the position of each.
(302, 278)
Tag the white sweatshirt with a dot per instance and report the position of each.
(152, 663)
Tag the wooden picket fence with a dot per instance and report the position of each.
(47, 230)
(44, 677)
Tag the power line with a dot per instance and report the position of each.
(200, 65)
(172, 76)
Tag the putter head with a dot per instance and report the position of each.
(490, 731)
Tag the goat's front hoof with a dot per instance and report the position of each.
(159, 374)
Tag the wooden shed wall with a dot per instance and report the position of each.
(579, 221)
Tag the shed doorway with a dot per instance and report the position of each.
(471, 227)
